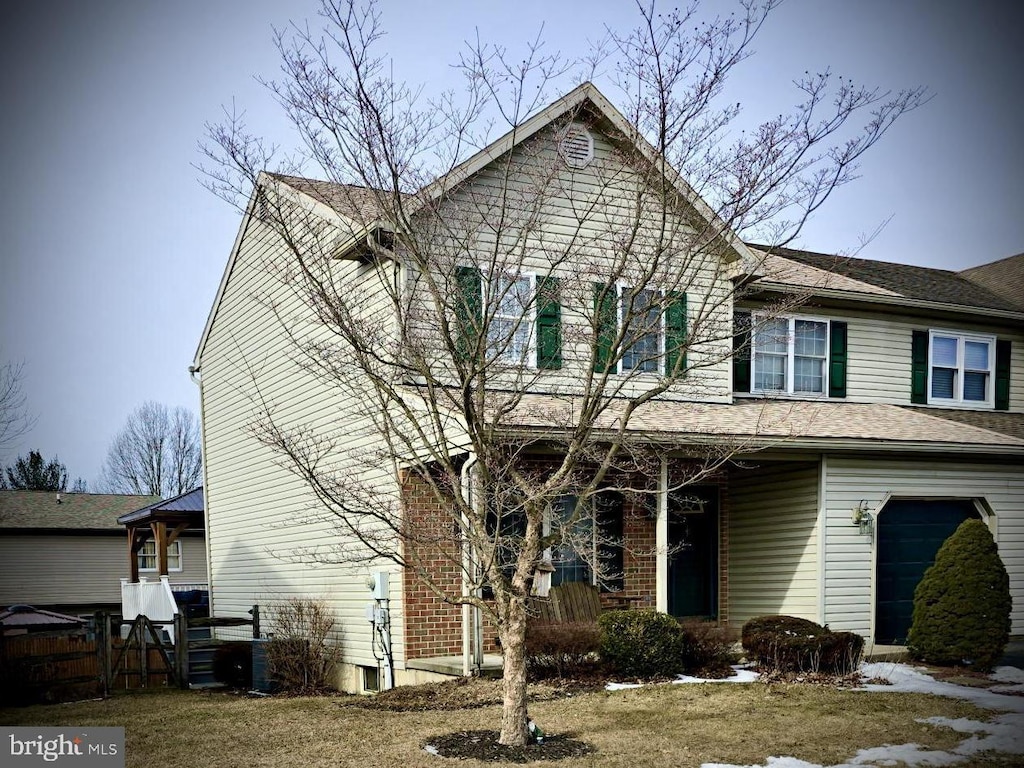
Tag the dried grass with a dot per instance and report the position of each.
(664, 725)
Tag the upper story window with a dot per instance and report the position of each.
(515, 318)
(148, 560)
(961, 368)
(510, 334)
(652, 325)
(789, 355)
(643, 333)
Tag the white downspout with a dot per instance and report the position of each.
(468, 624)
(661, 540)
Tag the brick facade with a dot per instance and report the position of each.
(433, 627)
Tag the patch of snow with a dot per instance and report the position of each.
(1010, 689)
(740, 675)
(911, 754)
(1007, 675)
(622, 686)
(906, 678)
(1003, 734)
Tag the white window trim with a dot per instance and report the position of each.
(529, 320)
(962, 338)
(548, 554)
(755, 320)
(176, 544)
(620, 289)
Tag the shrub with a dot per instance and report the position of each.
(232, 664)
(561, 650)
(792, 644)
(641, 643)
(707, 648)
(300, 655)
(962, 605)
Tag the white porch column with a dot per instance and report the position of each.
(661, 538)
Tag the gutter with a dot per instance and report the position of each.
(761, 442)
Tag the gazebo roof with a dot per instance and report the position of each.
(187, 508)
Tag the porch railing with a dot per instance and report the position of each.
(153, 599)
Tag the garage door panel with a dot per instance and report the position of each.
(910, 532)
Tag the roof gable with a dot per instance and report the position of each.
(1005, 278)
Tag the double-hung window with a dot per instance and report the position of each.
(643, 329)
(514, 318)
(594, 537)
(148, 560)
(790, 355)
(510, 326)
(960, 368)
(650, 325)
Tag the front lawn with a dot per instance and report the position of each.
(664, 725)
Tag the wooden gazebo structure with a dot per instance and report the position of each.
(164, 521)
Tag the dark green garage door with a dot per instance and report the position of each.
(910, 532)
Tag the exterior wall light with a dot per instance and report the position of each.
(861, 517)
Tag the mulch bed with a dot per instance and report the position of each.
(483, 745)
(464, 693)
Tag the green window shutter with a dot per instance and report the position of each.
(605, 326)
(837, 360)
(675, 332)
(549, 324)
(919, 368)
(468, 310)
(1002, 374)
(741, 352)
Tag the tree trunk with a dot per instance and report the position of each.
(513, 651)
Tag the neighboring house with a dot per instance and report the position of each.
(881, 413)
(66, 552)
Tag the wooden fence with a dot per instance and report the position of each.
(68, 665)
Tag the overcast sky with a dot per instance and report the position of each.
(113, 250)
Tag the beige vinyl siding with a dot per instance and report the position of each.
(581, 215)
(68, 569)
(773, 541)
(269, 536)
(879, 348)
(849, 555)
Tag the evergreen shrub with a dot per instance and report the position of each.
(962, 605)
(641, 643)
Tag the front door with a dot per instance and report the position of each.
(693, 552)
(910, 532)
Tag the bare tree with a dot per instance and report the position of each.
(431, 281)
(157, 452)
(13, 420)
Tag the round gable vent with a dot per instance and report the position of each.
(576, 146)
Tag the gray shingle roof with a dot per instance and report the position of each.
(758, 421)
(1004, 422)
(76, 511)
(358, 203)
(925, 283)
(1004, 278)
